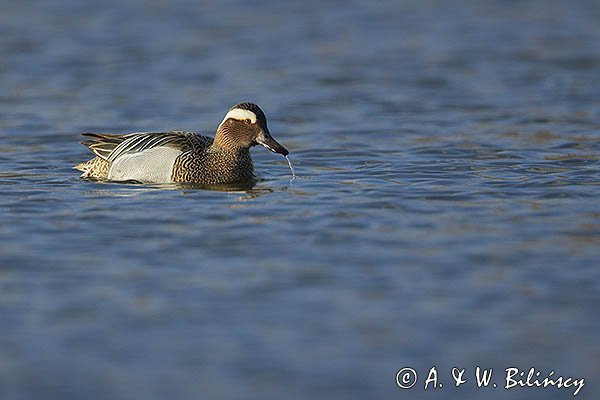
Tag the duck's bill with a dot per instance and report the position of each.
(265, 139)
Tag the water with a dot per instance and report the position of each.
(445, 211)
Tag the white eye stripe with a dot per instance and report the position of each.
(240, 114)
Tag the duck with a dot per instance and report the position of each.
(182, 156)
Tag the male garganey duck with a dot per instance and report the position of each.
(180, 156)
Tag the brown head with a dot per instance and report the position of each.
(244, 126)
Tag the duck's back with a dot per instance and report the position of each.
(143, 156)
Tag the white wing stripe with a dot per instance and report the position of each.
(140, 142)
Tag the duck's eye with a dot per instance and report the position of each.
(247, 120)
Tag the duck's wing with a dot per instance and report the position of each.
(111, 147)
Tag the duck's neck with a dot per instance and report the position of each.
(225, 141)
(232, 152)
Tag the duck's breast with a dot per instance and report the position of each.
(153, 165)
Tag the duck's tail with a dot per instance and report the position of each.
(101, 145)
(96, 168)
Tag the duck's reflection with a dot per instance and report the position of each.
(248, 190)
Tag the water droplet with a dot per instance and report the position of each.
(291, 168)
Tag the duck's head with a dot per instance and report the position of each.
(245, 125)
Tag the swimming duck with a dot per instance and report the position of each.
(180, 156)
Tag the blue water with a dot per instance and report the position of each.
(446, 209)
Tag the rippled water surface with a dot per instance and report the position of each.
(445, 210)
